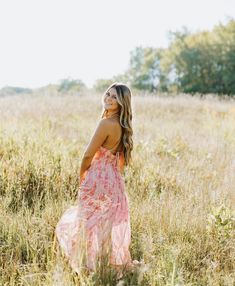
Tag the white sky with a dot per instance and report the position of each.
(43, 41)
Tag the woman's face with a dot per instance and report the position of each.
(110, 100)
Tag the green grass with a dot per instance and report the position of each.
(180, 187)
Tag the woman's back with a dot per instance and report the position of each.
(113, 141)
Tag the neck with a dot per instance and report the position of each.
(114, 114)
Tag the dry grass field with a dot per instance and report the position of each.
(181, 187)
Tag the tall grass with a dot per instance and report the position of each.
(181, 188)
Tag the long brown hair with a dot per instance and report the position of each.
(124, 100)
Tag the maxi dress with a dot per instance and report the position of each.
(98, 225)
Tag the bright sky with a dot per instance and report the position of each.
(43, 41)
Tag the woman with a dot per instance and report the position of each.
(98, 227)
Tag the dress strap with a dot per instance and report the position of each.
(120, 140)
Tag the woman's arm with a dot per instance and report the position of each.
(100, 135)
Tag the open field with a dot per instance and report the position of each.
(181, 188)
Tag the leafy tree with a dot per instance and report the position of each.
(101, 85)
(12, 90)
(200, 62)
(144, 72)
(204, 61)
(69, 84)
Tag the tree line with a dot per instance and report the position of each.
(201, 62)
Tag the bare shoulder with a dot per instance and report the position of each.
(104, 126)
(109, 123)
(105, 123)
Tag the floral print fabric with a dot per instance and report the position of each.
(99, 224)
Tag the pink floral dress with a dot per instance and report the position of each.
(99, 224)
